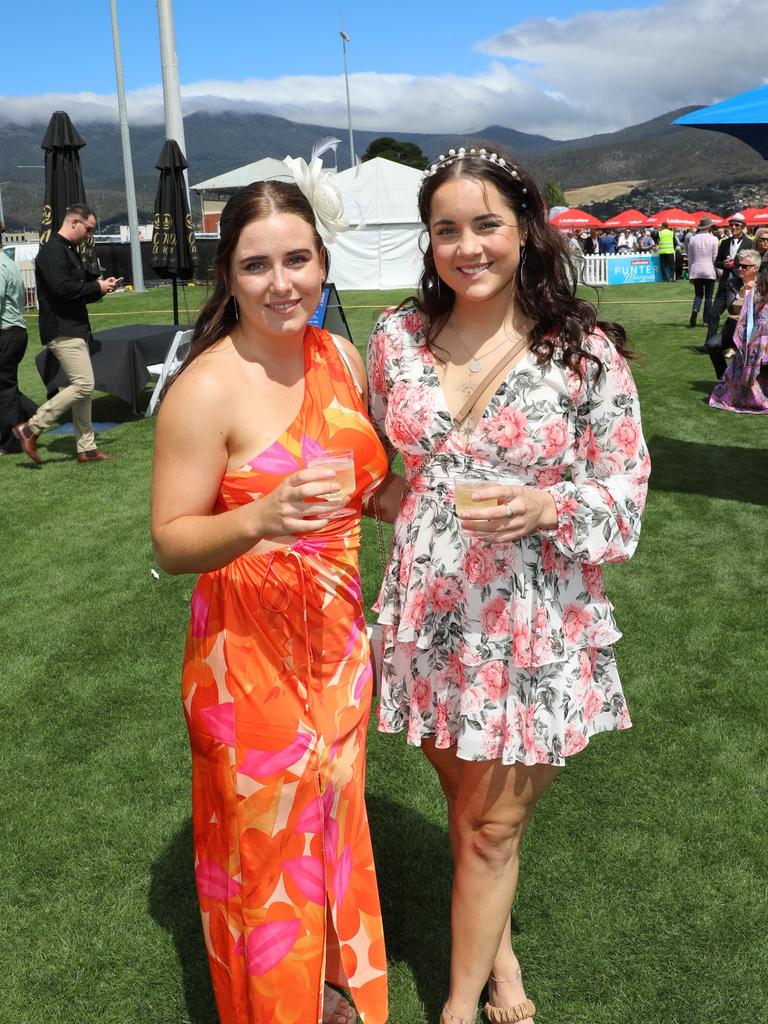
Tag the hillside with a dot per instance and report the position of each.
(655, 152)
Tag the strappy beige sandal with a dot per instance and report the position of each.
(509, 1014)
(456, 1019)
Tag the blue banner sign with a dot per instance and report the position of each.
(318, 317)
(633, 269)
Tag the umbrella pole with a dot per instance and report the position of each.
(175, 303)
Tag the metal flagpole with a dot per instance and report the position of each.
(344, 41)
(130, 189)
(174, 121)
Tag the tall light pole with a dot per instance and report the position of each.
(130, 189)
(2, 215)
(174, 119)
(344, 41)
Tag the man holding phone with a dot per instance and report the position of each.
(63, 289)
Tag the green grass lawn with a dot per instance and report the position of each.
(643, 895)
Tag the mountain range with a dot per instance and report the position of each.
(666, 158)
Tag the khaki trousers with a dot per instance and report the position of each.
(75, 361)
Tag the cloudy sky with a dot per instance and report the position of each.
(415, 65)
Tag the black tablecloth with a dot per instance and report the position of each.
(120, 357)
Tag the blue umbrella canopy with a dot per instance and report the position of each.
(744, 116)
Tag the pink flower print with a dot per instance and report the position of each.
(495, 617)
(593, 581)
(214, 882)
(540, 618)
(576, 618)
(403, 428)
(200, 606)
(526, 726)
(591, 449)
(574, 741)
(309, 876)
(585, 668)
(262, 764)
(421, 693)
(442, 735)
(471, 702)
(554, 437)
(494, 738)
(467, 656)
(378, 380)
(507, 427)
(593, 704)
(479, 564)
(525, 453)
(269, 943)
(549, 477)
(411, 323)
(444, 593)
(406, 563)
(521, 644)
(416, 609)
(407, 510)
(541, 651)
(551, 560)
(493, 678)
(567, 507)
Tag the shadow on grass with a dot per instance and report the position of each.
(173, 905)
(413, 866)
(716, 471)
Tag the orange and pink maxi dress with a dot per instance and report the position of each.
(277, 687)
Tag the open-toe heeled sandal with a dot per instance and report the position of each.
(509, 1014)
(455, 1019)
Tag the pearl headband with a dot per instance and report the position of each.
(477, 154)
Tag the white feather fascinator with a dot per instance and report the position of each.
(321, 189)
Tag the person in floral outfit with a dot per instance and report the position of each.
(497, 656)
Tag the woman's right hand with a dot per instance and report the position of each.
(285, 510)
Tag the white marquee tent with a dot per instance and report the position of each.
(382, 248)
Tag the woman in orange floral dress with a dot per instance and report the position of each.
(277, 676)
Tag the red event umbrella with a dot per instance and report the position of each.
(572, 219)
(674, 217)
(627, 219)
(717, 222)
(760, 217)
(749, 213)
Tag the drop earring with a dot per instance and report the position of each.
(237, 311)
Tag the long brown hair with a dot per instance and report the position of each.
(260, 199)
(545, 282)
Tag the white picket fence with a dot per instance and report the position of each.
(593, 269)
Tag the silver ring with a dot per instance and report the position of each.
(509, 509)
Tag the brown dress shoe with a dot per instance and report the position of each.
(91, 456)
(28, 441)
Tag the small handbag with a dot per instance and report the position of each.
(375, 632)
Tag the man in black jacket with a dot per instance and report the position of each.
(63, 289)
(725, 261)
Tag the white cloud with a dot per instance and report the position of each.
(595, 71)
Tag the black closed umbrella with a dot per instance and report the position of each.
(174, 249)
(64, 182)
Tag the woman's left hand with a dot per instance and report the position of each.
(521, 511)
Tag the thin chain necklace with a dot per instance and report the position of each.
(475, 363)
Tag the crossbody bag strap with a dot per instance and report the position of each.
(458, 419)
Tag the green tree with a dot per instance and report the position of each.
(553, 195)
(407, 153)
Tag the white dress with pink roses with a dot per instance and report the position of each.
(505, 649)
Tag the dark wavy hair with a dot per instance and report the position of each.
(253, 202)
(545, 282)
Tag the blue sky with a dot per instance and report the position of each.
(563, 68)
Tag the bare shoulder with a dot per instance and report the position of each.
(197, 398)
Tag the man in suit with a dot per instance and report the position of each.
(725, 262)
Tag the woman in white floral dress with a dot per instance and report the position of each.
(497, 630)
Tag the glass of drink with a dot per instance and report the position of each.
(464, 486)
(343, 465)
